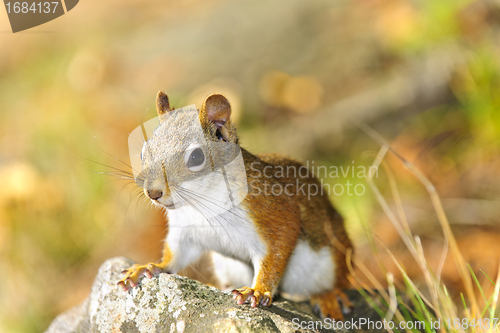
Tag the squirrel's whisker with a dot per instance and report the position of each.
(115, 158)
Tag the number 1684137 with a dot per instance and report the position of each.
(35, 7)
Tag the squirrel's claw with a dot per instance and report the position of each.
(242, 295)
(266, 299)
(256, 297)
(347, 306)
(328, 306)
(123, 285)
(134, 273)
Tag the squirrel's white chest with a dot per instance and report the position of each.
(231, 233)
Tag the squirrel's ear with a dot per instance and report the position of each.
(216, 109)
(162, 104)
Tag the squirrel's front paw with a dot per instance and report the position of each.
(134, 273)
(256, 297)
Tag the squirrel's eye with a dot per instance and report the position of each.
(196, 160)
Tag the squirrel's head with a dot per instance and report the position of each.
(189, 151)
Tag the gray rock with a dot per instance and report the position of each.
(171, 303)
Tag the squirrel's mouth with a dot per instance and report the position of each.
(169, 206)
(168, 203)
(160, 198)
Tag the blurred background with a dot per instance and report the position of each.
(424, 74)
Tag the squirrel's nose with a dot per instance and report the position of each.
(154, 194)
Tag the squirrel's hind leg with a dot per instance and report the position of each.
(328, 306)
(327, 302)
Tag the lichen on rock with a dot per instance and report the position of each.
(172, 303)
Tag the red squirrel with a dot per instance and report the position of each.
(263, 243)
